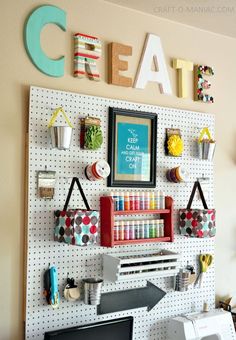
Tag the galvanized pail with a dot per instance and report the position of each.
(92, 291)
(61, 137)
(206, 150)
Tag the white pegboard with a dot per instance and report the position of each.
(81, 262)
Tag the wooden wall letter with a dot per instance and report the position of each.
(115, 64)
(153, 52)
(87, 51)
(201, 84)
(40, 17)
(182, 67)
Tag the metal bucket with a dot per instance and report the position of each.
(182, 281)
(61, 137)
(92, 291)
(206, 150)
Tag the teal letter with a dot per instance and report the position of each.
(36, 21)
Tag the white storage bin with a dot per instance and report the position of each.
(130, 266)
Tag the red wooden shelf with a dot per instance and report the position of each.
(139, 212)
(107, 215)
(143, 240)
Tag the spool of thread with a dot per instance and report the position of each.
(177, 175)
(97, 171)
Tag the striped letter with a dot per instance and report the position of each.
(87, 50)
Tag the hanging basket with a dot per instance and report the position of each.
(205, 146)
(61, 136)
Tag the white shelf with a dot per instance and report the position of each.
(131, 266)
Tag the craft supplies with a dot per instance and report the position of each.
(121, 231)
(131, 230)
(174, 145)
(91, 133)
(121, 201)
(137, 201)
(60, 135)
(71, 291)
(51, 287)
(141, 229)
(145, 200)
(152, 201)
(76, 226)
(205, 145)
(177, 175)
(92, 291)
(197, 222)
(161, 228)
(132, 201)
(46, 184)
(97, 171)
(162, 200)
(126, 230)
(142, 201)
(116, 231)
(205, 260)
(138, 229)
(126, 200)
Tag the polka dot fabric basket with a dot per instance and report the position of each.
(197, 222)
(76, 226)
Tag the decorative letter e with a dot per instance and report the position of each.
(36, 21)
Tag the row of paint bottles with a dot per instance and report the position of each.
(145, 200)
(133, 230)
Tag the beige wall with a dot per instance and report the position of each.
(129, 27)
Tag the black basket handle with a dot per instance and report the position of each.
(76, 180)
(197, 185)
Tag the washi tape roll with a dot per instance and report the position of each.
(97, 171)
(182, 174)
(177, 175)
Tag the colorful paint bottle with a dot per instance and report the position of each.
(116, 231)
(141, 229)
(126, 200)
(121, 201)
(157, 234)
(152, 200)
(147, 200)
(137, 201)
(126, 230)
(121, 231)
(157, 199)
(136, 229)
(132, 201)
(146, 229)
(161, 228)
(162, 200)
(152, 231)
(142, 200)
(131, 230)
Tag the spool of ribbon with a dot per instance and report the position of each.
(177, 175)
(97, 171)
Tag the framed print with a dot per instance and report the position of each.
(132, 148)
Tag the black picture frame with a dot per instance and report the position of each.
(142, 124)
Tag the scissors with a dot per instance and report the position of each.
(205, 261)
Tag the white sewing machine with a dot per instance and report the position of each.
(214, 325)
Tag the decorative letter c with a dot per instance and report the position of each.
(36, 21)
